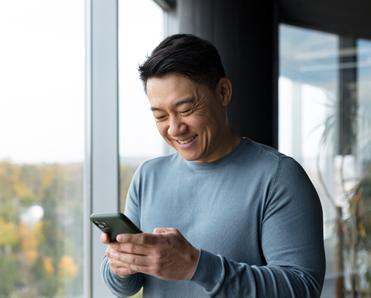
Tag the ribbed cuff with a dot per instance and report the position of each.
(210, 272)
(120, 286)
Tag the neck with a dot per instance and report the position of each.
(229, 140)
(232, 139)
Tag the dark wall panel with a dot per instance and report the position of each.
(245, 34)
(343, 17)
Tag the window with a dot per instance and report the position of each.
(41, 148)
(324, 122)
(141, 28)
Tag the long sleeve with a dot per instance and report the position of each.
(291, 241)
(121, 287)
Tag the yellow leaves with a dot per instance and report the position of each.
(48, 265)
(47, 177)
(26, 236)
(21, 190)
(38, 230)
(40, 248)
(68, 268)
(29, 243)
(8, 233)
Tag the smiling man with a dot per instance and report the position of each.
(224, 216)
(191, 117)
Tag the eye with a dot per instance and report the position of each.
(159, 115)
(186, 112)
(160, 118)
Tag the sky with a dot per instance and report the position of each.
(138, 132)
(42, 80)
(42, 58)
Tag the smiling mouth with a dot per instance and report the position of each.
(187, 141)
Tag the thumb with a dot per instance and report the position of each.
(163, 230)
(104, 238)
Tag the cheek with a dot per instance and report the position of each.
(205, 123)
(162, 129)
(199, 121)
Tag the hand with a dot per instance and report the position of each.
(165, 254)
(116, 267)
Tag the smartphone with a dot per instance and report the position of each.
(113, 224)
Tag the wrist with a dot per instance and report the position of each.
(194, 259)
(210, 271)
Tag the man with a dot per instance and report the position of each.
(222, 217)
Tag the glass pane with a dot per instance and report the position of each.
(41, 148)
(139, 139)
(324, 123)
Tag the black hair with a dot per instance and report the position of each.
(185, 54)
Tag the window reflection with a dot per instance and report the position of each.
(324, 112)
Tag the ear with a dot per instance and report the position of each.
(224, 90)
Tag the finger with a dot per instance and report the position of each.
(150, 270)
(104, 238)
(111, 250)
(135, 249)
(121, 270)
(114, 263)
(142, 238)
(129, 247)
(129, 259)
(164, 230)
(117, 265)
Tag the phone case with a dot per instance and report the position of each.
(113, 224)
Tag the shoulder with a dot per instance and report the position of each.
(158, 164)
(269, 161)
(264, 152)
(159, 161)
(261, 155)
(287, 181)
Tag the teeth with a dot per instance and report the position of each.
(186, 141)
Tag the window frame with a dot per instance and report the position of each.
(101, 167)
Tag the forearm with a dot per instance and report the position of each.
(225, 278)
(121, 286)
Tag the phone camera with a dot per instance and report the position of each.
(101, 224)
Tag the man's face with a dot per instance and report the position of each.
(189, 116)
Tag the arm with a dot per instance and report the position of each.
(291, 241)
(121, 286)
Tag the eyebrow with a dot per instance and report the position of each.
(178, 103)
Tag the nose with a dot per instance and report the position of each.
(176, 126)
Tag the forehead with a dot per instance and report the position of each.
(170, 88)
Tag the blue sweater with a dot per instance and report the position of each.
(254, 214)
